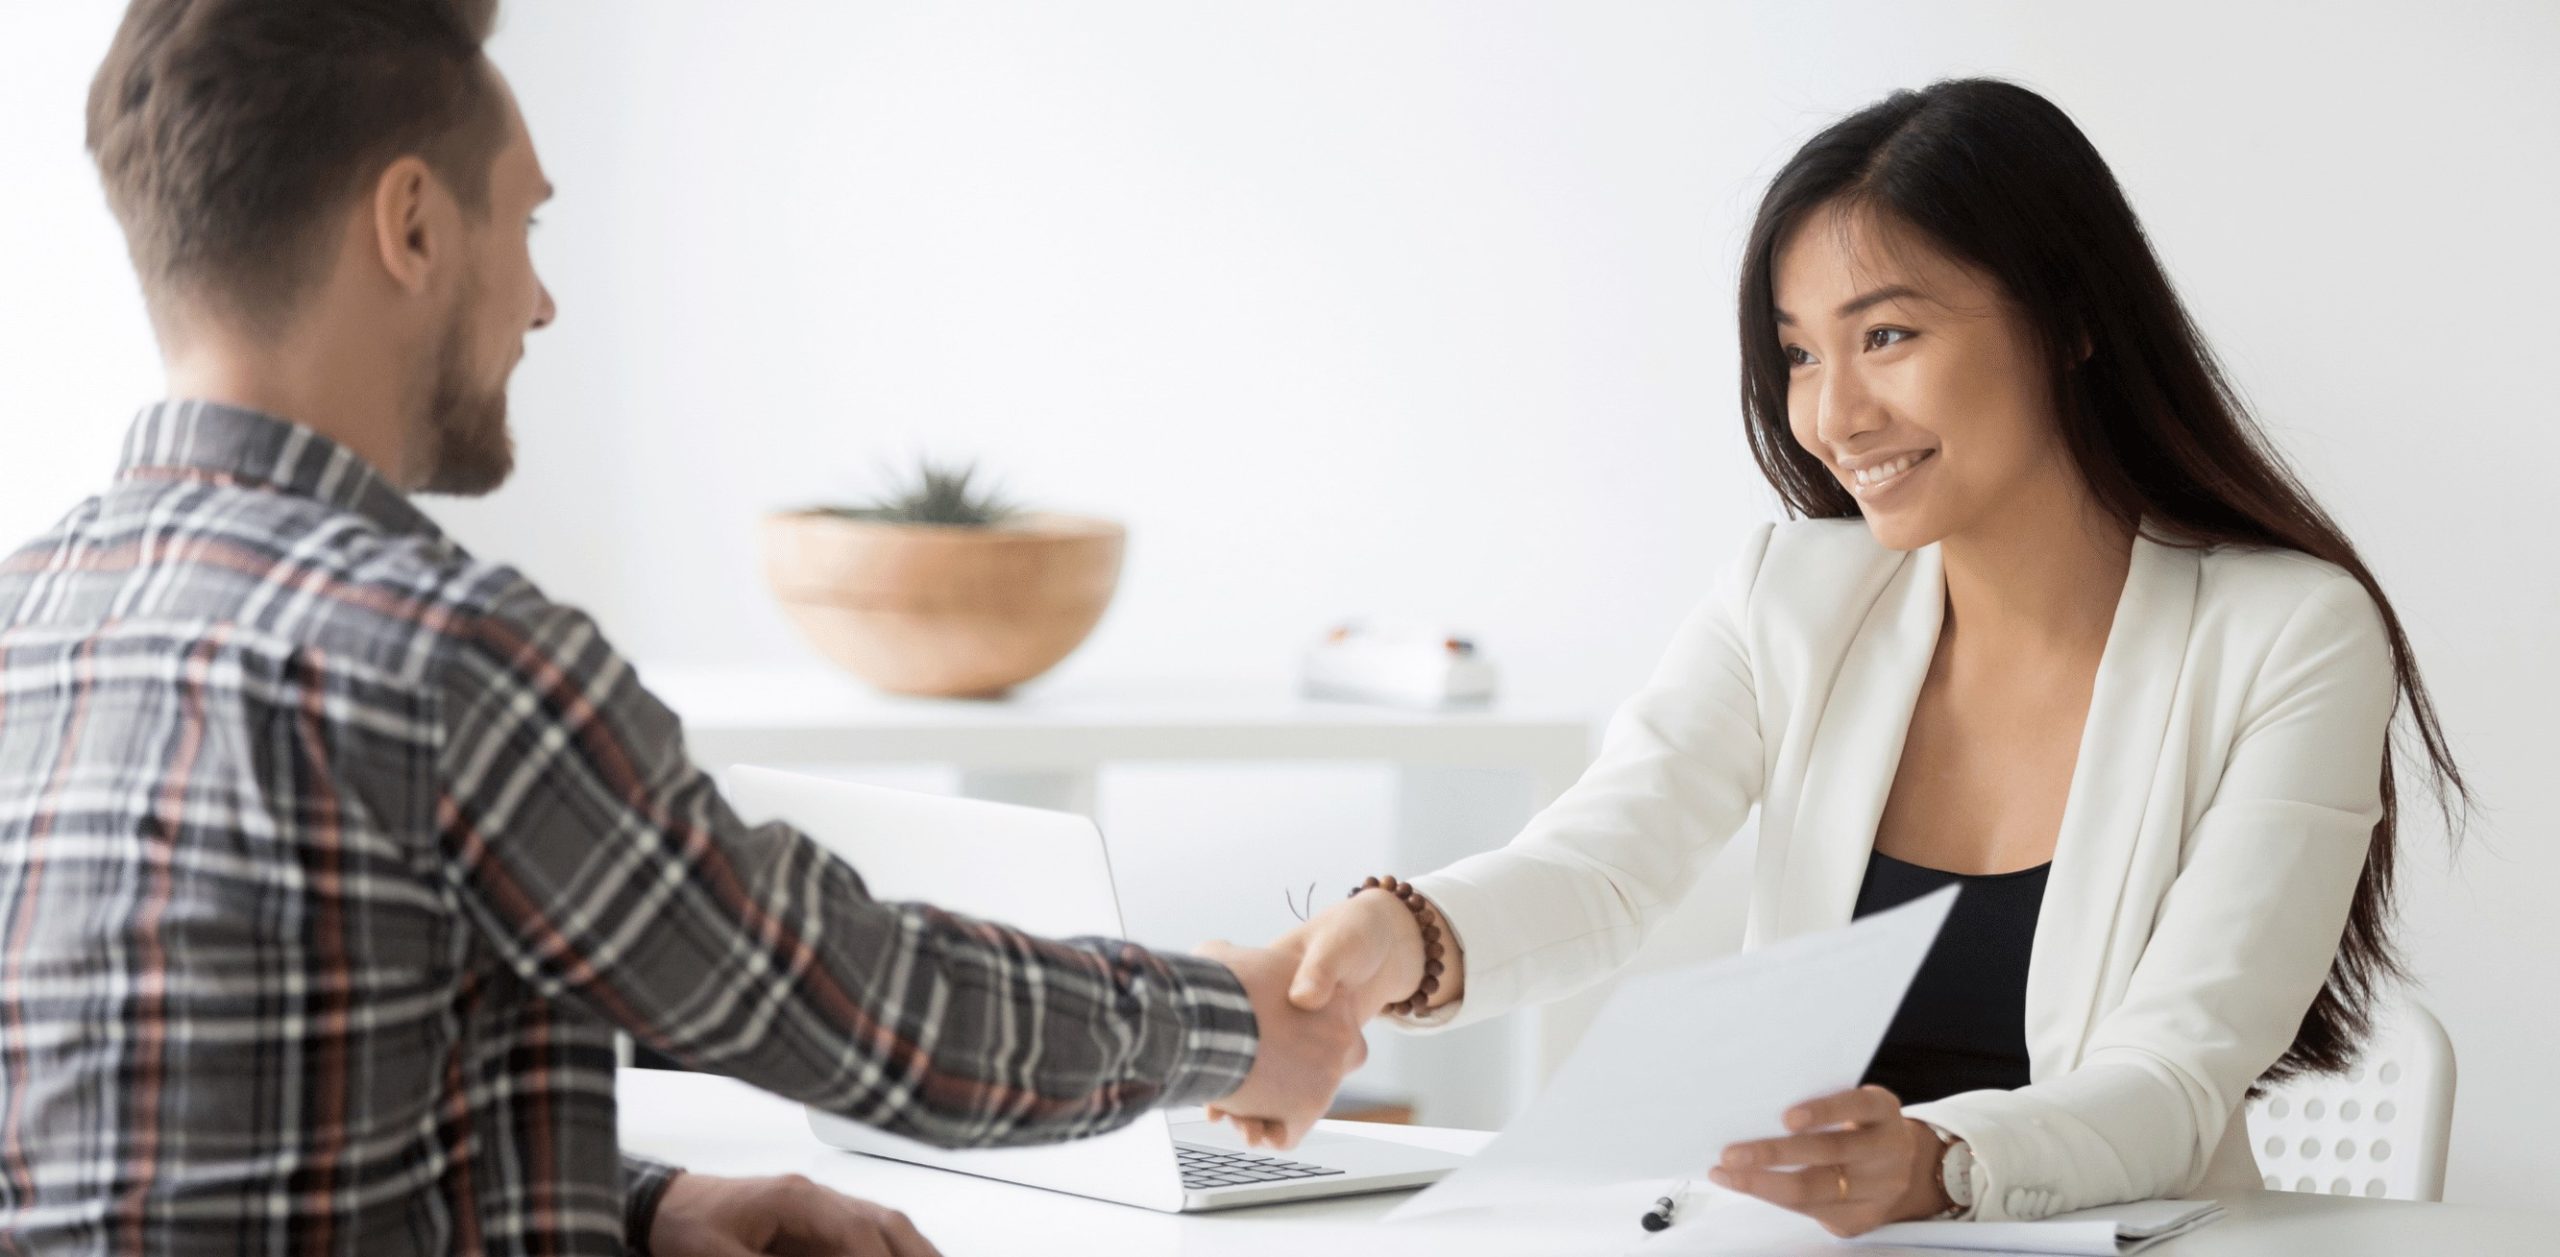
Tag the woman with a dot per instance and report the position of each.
(2060, 628)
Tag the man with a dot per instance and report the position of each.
(331, 857)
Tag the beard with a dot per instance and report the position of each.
(468, 450)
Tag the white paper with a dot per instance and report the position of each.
(2106, 1231)
(1569, 1226)
(1680, 1064)
(1712, 1222)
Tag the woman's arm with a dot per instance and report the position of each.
(1569, 900)
(2244, 939)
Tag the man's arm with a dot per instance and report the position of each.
(608, 871)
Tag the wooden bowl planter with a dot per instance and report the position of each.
(939, 610)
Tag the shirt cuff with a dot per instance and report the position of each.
(644, 1183)
(1217, 1031)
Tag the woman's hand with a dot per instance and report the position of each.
(1366, 949)
(1857, 1163)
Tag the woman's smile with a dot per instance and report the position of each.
(1878, 484)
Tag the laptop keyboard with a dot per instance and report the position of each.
(1204, 1166)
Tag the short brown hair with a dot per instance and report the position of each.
(226, 130)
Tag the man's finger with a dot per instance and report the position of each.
(1289, 1132)
(905, 1240)
(821, 1217)
(1319, 973)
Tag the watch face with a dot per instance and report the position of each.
(1956, 1172)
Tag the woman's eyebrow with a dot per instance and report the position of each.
(1890, 292)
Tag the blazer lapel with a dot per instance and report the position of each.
(1856, 746)
(2116, 797)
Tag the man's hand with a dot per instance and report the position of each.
(1303, 1055)
(704, 1216)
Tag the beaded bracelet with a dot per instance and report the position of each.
(1412, 899)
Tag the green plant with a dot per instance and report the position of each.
(935, 494)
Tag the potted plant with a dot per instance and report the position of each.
(942, 588)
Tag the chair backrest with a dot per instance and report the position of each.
(2380, 1129)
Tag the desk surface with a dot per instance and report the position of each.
(718, 1126)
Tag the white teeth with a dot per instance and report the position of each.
(1870, 477)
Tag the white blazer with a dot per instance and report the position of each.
(2227, 786)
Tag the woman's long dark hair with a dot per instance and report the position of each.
(1995, 176)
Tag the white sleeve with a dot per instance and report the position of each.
(2244, 939)
(1570, 900)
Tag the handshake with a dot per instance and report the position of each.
(1312, 991)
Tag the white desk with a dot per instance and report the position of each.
(718, 1126)
(1466, 781)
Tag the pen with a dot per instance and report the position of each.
(1658, 1218)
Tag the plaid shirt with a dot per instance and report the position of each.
(332, 857)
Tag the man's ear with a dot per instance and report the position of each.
(403, 229)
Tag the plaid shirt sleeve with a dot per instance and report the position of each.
(606, 870)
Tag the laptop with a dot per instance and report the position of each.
(1048, 873)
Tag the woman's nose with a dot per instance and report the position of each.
(1844, 408)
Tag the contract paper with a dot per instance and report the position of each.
(1729, 1225)
(1679, 1064)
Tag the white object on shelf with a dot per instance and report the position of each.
(1400, 664)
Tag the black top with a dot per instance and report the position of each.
(1963, 1026)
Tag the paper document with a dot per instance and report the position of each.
(1679, 1064)
(1726, 1224)
(2101, 1232)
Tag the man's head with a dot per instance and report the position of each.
(337, 188)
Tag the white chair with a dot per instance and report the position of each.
(2380, 1129)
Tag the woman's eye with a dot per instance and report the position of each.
(1790, 351)
(1885, 331)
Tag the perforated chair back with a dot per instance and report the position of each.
(2380, 1129)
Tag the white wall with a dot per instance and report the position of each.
(1349, 306)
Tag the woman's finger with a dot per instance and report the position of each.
(1866, 1104)
(1853, 1146)
(1801, 1190)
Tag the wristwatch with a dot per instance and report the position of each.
(1955, 1172)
